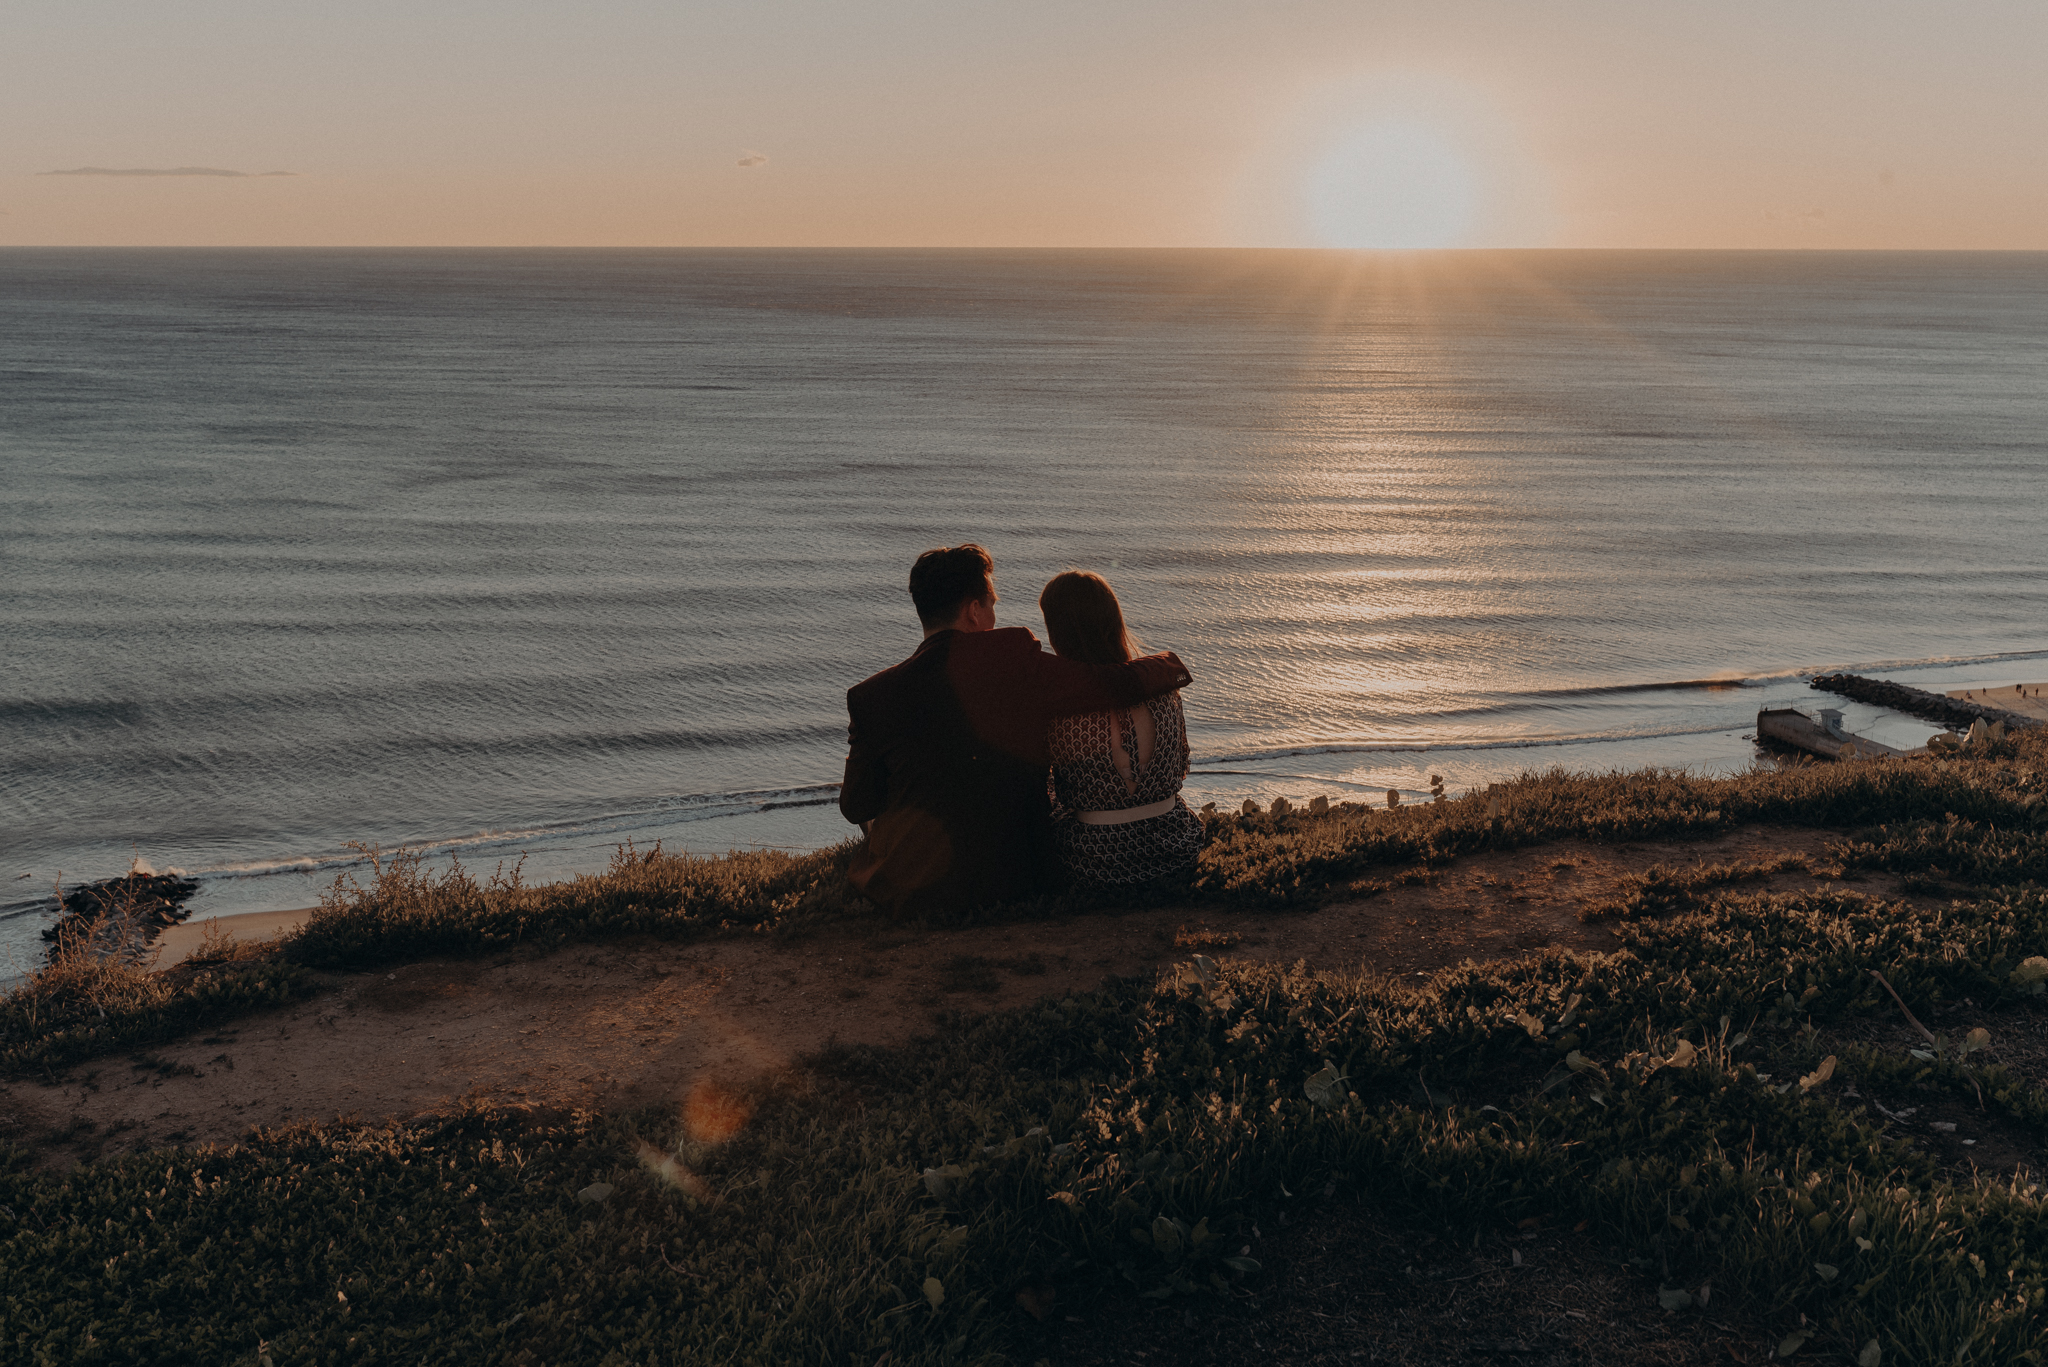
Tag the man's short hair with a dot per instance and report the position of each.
(947, 579)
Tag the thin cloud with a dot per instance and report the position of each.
(753, 159)
(167, 171)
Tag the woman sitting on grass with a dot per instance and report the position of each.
(1117, 811)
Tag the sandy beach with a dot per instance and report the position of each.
(180, 942)
(2029, 700)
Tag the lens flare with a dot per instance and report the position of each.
(671, 1170)
(712, 1115)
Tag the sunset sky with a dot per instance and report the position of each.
(1053, 123)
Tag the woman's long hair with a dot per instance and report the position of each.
(1085, 621)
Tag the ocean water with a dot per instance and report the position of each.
(510, 552)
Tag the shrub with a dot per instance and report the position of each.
(83, 1004)
(406, 912)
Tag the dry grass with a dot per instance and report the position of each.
(83, 981)
(88, 1000)
(405, 911)
(218, 945)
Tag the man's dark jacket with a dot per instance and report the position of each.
(947, 757)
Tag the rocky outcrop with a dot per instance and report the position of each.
(121, 916)
(1937, 707)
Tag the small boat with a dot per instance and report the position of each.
(1821, 736)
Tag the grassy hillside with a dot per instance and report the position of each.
(1687, 1097)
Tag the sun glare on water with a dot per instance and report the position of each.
(1393, 183)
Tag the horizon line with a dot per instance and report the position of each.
(826, 247)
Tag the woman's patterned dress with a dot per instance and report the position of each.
(1085, 779)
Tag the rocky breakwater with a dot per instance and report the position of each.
(1952, 712)
(119, 917)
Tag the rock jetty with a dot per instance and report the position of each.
(122, 916)
(1933, 706)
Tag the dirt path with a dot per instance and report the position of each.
(627, 1024)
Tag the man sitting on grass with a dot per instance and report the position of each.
(946, 763)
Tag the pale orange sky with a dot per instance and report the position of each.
(927, 123)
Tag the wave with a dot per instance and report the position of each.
(71, 711)
(1764, 678)
(1676, 685)
(1929, 662)
(609, 828)
(1417, 747)
(624, 823)
(619, 826)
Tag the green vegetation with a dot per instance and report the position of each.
(1268, 861)
(1686, 1096)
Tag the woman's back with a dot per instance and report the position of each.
(1111, 761)
(1116, 780)
(1118, 816)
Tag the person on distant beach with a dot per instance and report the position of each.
(1118, 816)
(946, 752)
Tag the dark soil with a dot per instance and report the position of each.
(1970, 1139)
(1343, 1284)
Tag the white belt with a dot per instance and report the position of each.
(1118, 818)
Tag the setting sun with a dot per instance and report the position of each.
(1392, 183)
(623, 123)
